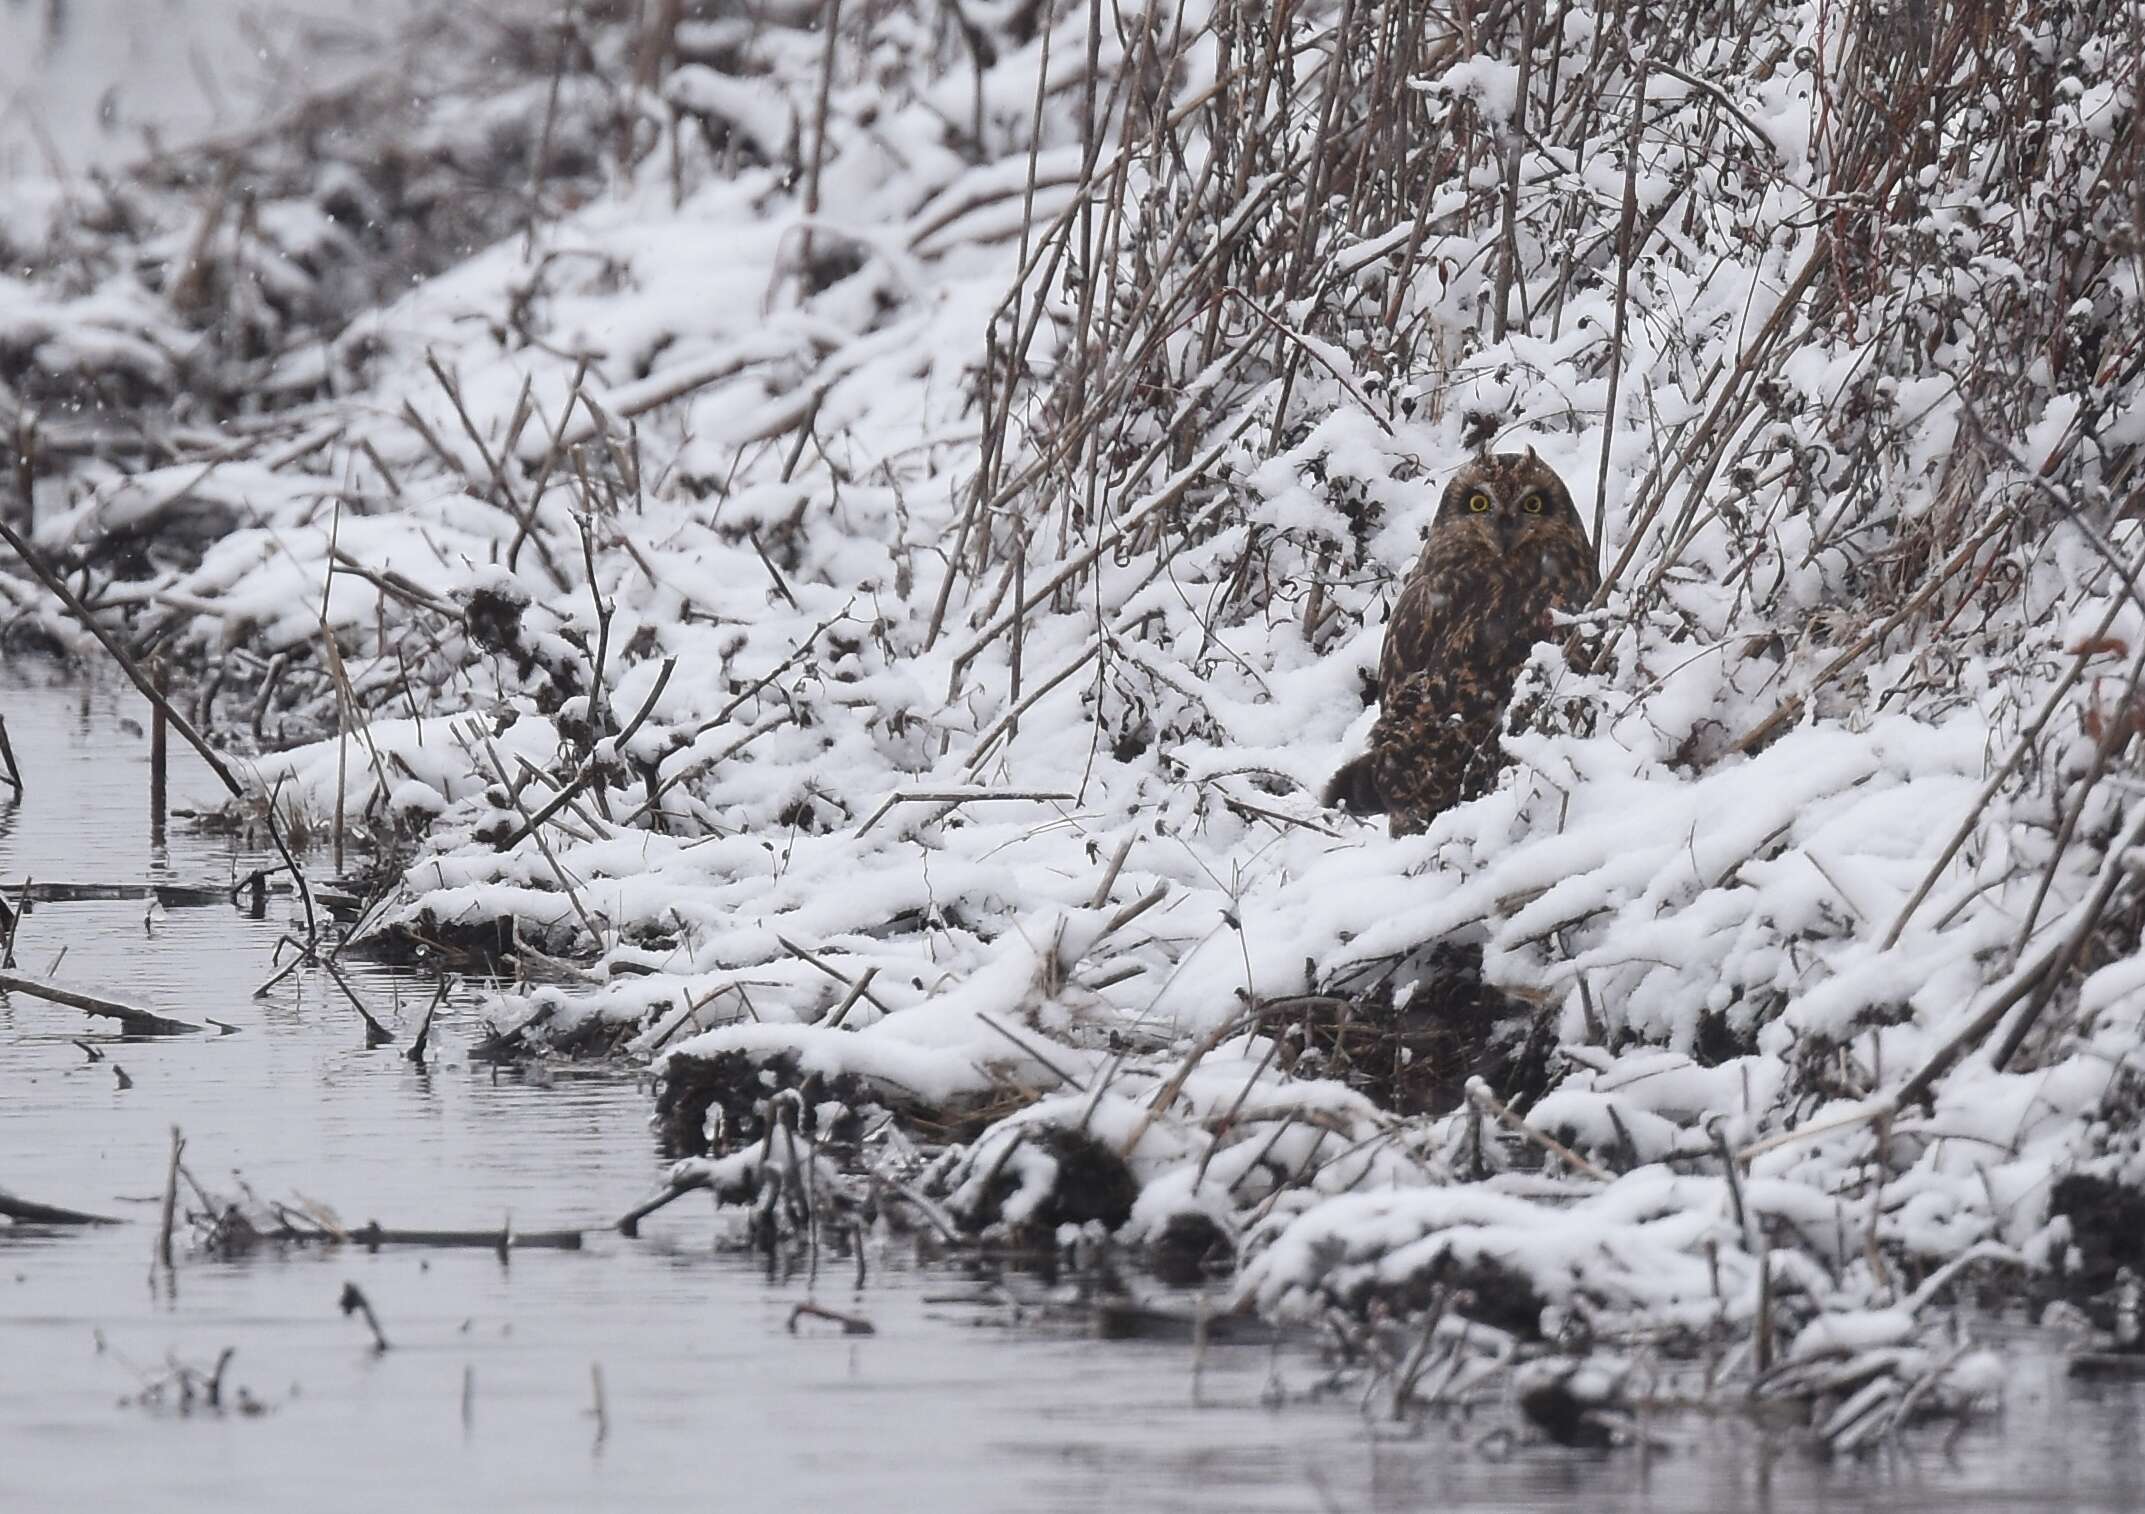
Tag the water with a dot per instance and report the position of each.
(709, 1398)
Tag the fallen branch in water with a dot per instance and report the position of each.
(169, 895)
(138, 1022)
(733, 1181)
(28, 1212)
(629, 1223)
(373, 1237)
(852, 1324)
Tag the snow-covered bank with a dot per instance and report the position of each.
(879, 587)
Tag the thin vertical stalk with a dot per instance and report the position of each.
(1623, 300)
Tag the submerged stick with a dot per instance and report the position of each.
(852, 1324)
(29, 1212)
(169, 895)
(372, 1236)
(416, 1053)
(376, 1034)
(138, 1022)
(171, 1199)
(11, 923)
(9, 772)
(159, 766)
(353, 1301)
(692, 1182)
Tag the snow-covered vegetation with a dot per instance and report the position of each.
(856, 586)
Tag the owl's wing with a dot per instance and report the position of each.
(1581, 576)
(1570, 575)
(1419, 623)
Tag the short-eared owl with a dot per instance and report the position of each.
(1506, 549)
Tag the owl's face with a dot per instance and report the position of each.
(1509, 500)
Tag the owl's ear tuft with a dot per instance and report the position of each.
(1531, 456)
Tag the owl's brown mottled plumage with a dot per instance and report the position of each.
(1506, 549)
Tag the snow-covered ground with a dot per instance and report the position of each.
(872, 582)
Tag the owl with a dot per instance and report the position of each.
(1505, 550)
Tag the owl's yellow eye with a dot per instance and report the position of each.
(1478, 502)
(1532, 504)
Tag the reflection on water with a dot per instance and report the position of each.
(709, 1401)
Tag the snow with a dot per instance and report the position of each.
(905, 680)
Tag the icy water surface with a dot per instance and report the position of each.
(710, 1402)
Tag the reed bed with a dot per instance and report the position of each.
(860, 610)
